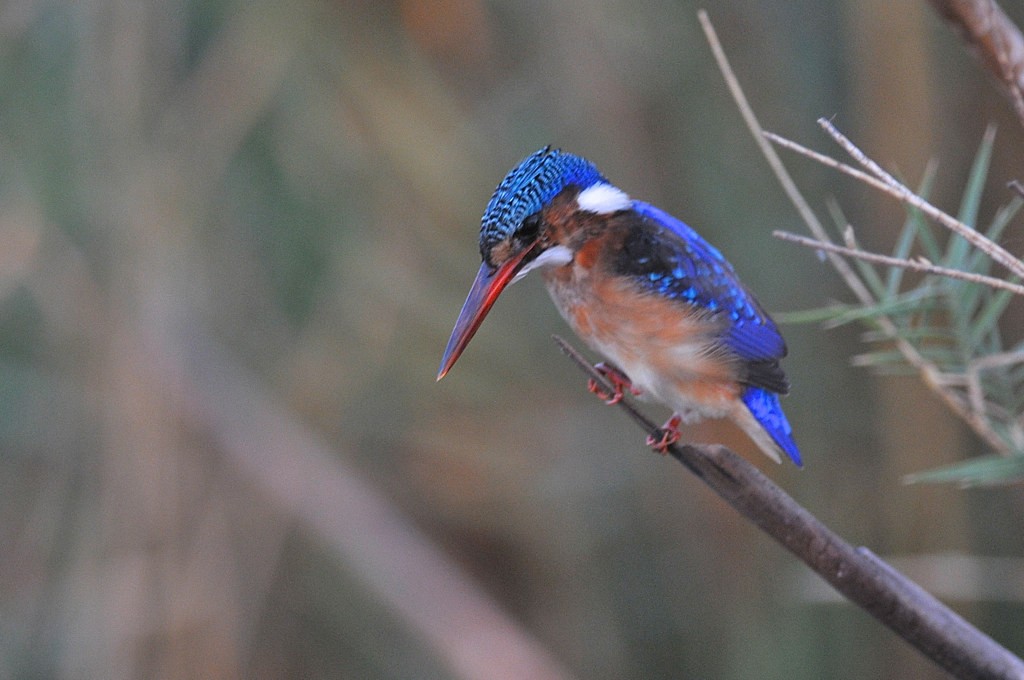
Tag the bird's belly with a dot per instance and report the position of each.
(669, 350)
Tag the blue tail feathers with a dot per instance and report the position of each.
(767, 411)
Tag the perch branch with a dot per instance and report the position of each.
(935, 630)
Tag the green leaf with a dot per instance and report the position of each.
(868, 273)
(976, 179)
(983, 471)
(912, 227)
(925, 236)
(960, 252)
(911, 302)
(969, 205)
(986, 323)
(816, 315)
(941, 357)
(979, 261)
(914, 334)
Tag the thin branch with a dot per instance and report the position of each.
(774, 162)
(918, 265)
(993, 37)
(643, 421)
(829, 162)
(883, 181)
(901, 192)
(993, 361)
(899, 603)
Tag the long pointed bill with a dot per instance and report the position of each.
(486, 288)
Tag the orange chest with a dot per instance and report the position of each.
(630, 325)
(671, 351)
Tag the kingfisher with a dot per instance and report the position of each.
(639, 287)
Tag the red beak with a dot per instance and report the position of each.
(486, 288)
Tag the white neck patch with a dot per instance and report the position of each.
(603, 199)
(555, 256)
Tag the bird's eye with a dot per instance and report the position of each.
(528, 230)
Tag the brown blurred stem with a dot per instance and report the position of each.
(994, 38)
(294, 469)
(935, 630)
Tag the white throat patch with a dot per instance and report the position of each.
(603, 199)
(555, 256)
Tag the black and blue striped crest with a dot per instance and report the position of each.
(528, 187)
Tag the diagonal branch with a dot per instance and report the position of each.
(883, 181)
(935, 630)
(774, 162)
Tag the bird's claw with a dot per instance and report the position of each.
(669, 435)
(620, 384)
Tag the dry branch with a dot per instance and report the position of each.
(895, 188)
(917, 265)
(937, 631)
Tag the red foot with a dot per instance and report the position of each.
(617, 378)
(669, 435)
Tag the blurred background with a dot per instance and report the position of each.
(235, 236)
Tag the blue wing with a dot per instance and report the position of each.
(670, 258)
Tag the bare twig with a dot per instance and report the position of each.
(828, 161)
(920, 619)
(919, 265)
(883, 181)
(900, 191)
(976, 393)
(994, 38)
(774, 162)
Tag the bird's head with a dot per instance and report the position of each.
(516, 236)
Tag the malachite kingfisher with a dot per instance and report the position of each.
(641, 288)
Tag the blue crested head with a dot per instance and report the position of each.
(527, 188)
